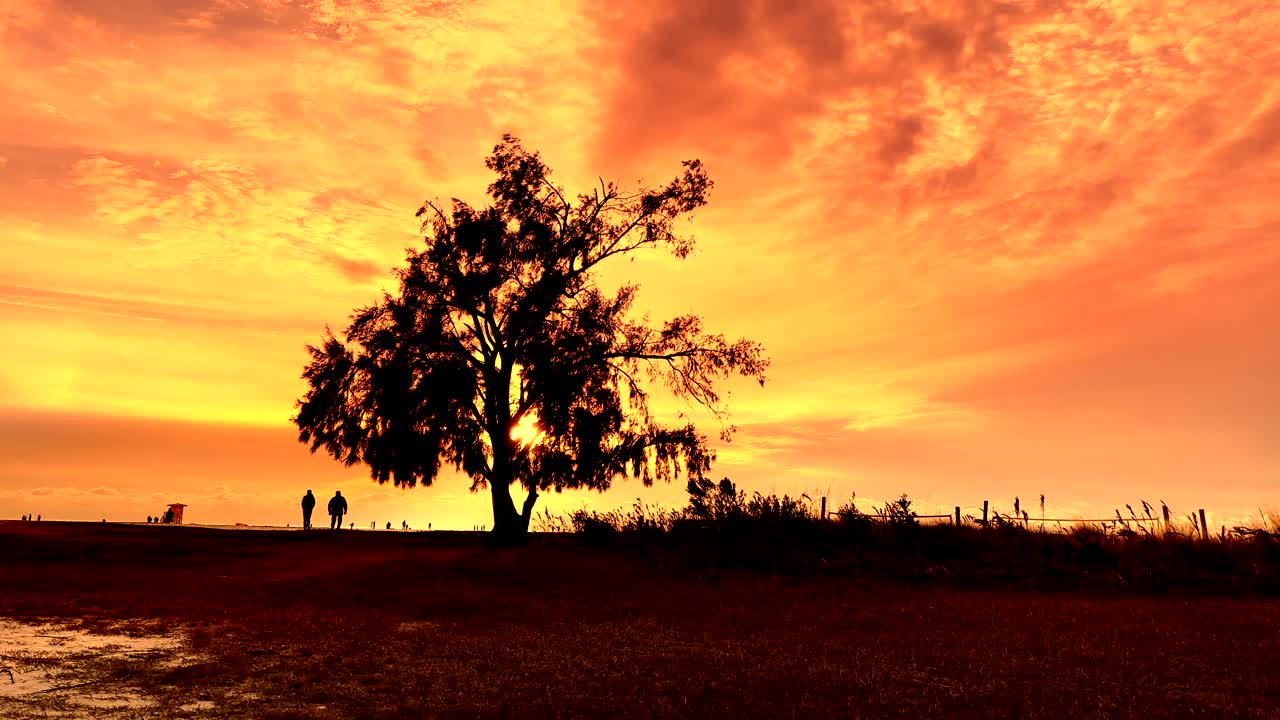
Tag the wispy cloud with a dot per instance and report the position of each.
(949, 221)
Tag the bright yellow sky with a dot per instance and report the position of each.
(994, 249)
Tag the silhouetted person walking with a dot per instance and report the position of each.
(337, 508)
(308, 504)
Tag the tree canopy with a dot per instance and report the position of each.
(500, 326)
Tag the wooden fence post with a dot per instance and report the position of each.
(957, 516)
(1204, 528)
(984, 513)
(824, 507)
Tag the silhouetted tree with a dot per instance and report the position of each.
(499, 323)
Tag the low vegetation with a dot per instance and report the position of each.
(329, 626)
(1143, 551)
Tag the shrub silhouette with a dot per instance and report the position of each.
(898, 513)
(714, 502)
(720, 527)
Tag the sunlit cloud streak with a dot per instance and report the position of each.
(987, 243)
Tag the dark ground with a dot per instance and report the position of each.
(408, 625)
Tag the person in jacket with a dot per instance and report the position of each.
(308, 504)
(337, 508)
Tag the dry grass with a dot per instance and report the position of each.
(1146, 551)
(387, 625)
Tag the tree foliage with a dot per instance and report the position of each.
(499, 323)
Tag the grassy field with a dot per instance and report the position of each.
(410, 625)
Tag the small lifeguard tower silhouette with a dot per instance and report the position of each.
(176, 509)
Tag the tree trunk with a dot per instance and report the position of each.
(511, 527)
(526, 513)
(506, 521)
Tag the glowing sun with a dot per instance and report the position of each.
(526, 432)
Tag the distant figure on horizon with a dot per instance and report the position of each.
(39, 518)
(308, 504)
(388, 524)
(428, 527)
(353, 526)
(148, 519)
(337, 508)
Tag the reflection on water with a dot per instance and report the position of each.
(45, 672)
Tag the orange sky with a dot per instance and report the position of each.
(994, 249)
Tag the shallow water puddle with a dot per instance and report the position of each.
(45, 671)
